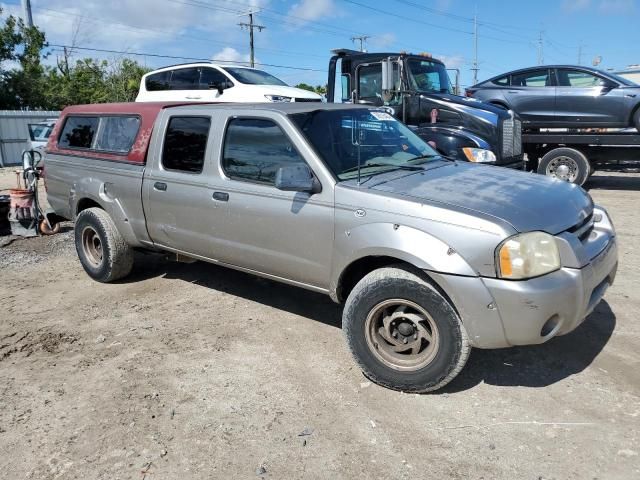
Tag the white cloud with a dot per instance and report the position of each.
(229, 54)
(617, 6)
(310, 10)
(453, 61)
(575, 5)
(383, 40)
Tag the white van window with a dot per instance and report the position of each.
(158, 81)
(185, 79)
(210, 78)
(253, 77)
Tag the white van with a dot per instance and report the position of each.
(208, 82)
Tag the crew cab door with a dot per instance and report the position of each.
(587, 99)
(281, 233)
(177, 195)
(532, 94)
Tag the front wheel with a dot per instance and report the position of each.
(403, 333)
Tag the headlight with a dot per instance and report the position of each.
(527, 255)
(277, 98)
(479, 155)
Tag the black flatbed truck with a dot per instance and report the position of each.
(574, 156)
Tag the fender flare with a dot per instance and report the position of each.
(407, 244)
(97, 192)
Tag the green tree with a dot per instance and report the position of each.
(21, 87)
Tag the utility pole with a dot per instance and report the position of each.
(26, 7)
(362, 39)
(475, 67)
(580, 54)
(540, 49)
(250, 26)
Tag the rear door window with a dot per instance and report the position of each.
(503, 81)
(254, 150)
(78, 132)
(117, 133)
(185, 144)
(185, 79)
(533, 78)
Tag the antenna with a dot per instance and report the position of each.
(250, 26)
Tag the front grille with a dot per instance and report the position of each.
(306, 100)
(511, 138)
(583, 229)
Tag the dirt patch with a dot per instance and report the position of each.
(195, 371)
(28, 343)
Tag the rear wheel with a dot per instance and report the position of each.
(566, 164)
(636, 119)
(103, 252)
(403, 333)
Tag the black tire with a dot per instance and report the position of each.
(103, 252)
(450, 348)
(575, 162)
(636, 119)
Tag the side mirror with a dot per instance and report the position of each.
(297, 178)
(221, 86)
(389, 79)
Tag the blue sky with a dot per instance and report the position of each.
(301, 33)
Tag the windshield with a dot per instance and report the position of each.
(254, 77)
(371, 137)
(428, 76)
(40, 131)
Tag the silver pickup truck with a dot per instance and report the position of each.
(430, 256)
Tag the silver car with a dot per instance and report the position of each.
(429, 256)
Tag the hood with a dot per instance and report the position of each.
(467, 103)
(284, 90)
(526, 201)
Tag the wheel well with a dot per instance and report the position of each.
(85, 203)
(633, 112)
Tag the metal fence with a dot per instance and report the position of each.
(14, 133)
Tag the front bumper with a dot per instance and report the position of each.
(501, 313)
(533, 311)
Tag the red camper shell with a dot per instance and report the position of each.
(61, 143)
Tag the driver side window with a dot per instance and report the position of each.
(370, 83)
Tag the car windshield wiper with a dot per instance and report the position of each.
(398, 167)
(426, 156)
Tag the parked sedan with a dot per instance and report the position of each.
(564, 96)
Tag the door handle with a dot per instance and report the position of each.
(221, 196)
(160, 186)
(630, 95)
(513, 91)
(193, 98)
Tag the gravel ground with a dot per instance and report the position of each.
(195, 371)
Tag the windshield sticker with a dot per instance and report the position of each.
(381, 116)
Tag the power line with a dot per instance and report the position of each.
(177, 57)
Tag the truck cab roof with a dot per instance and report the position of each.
(146, 114)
